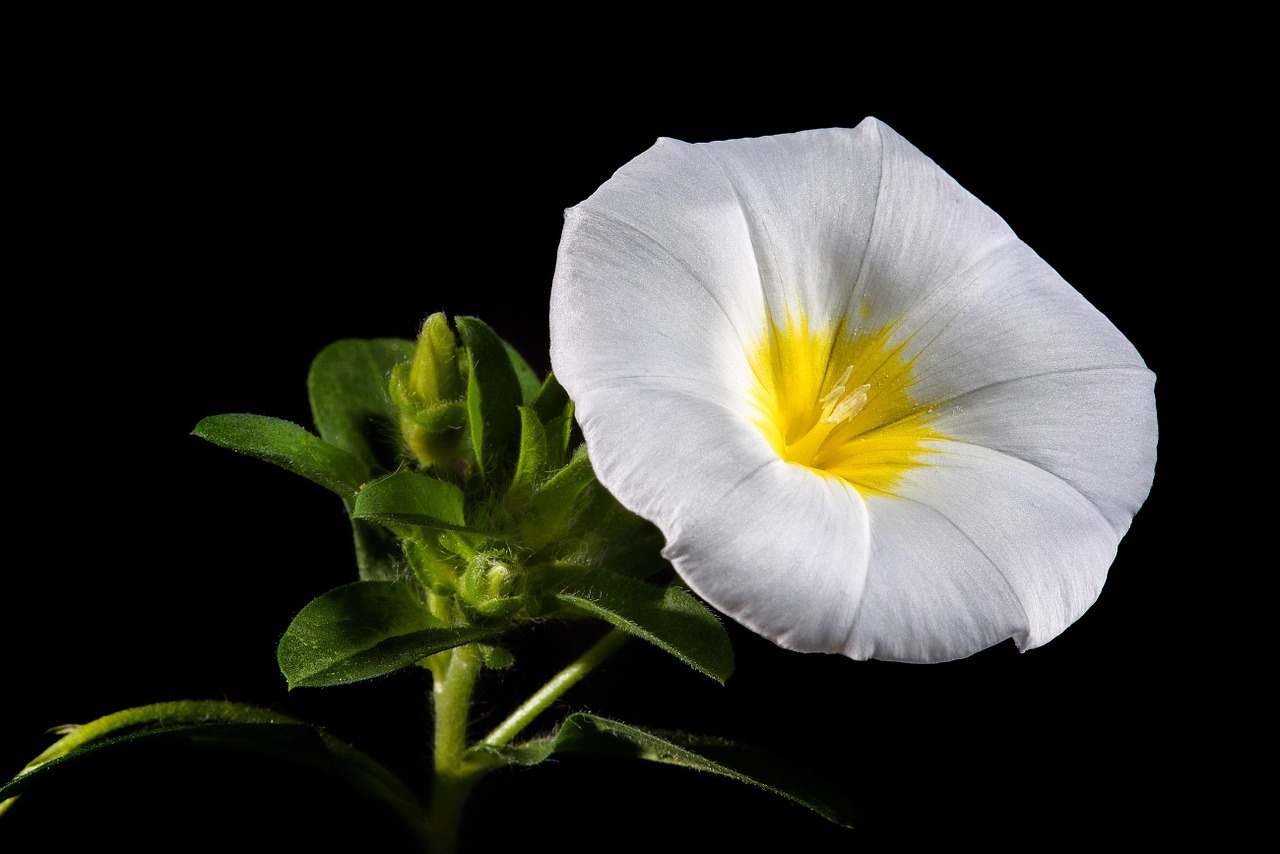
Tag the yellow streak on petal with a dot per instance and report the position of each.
(837, 400)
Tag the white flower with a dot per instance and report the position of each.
(867, 418)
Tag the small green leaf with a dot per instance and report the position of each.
(362, 631)
(557, 499)
(552, 401)
(287, 445)
(442, 417)
(616, 538)
(493, 395)
(555, 410)
(531, 465)
(409, 498)
(587, 733)
(559, 434)
(668, 617)
(526, 376)
(347, 387)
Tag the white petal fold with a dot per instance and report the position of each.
(1042, 415)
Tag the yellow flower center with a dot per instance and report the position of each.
(838, 401)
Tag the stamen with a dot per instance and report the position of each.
(837, 406)
(849, 406)
(828, 400)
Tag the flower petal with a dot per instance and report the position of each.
(978, 547)
(719, 492)
(1038, 438)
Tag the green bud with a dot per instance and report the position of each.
(492, 587)
(428, 392)
(433, 376)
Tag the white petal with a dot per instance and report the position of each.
(662, 285)
(978, 547)
(688, 236)
(717, 491)
(1094, 429)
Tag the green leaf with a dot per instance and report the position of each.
(616, 538)
(442, 417)
(493, 398)
(347, 387)
(587, 733)
(351, 405)
(362, 631)
(287, 445)
(555, 410)
(552, 401)
(179, 729)
(559, 434)
(668, 617)
(526, 376)
(531, 465)
(557, 499)
(409, 498)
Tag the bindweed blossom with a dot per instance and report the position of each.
(867, 418)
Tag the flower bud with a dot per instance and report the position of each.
(428, 393)
(492, 587)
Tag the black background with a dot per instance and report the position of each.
(202, 219)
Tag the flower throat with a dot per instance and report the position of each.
(838, 401)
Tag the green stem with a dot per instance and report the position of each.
(453, 778)
(555, 687)
(455, 774)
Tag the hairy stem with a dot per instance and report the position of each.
(453, 777)
(555, 687)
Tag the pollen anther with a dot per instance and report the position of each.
(838, 406)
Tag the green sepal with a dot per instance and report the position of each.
(586, 733)
(670, 618)
(493, 397)
(409, 498)
(183, 728)
(287, 445)
(347, 387)
(362, 631)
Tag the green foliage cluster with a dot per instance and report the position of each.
(471, 515)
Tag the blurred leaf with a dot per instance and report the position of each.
(187, 728)
(287, 445)
(616, 538)
(362, 631)
(671, 618)
(409, 498)
(587, 733)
